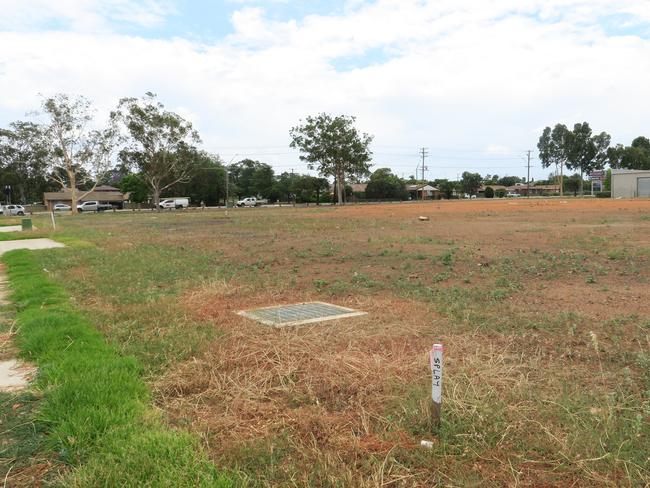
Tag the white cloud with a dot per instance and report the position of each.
(459, 76)
(81, 15)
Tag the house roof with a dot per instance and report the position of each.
(494, 187)
(106, 188)
(102, 195)
(421, 188)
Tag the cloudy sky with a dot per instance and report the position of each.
(474, 81)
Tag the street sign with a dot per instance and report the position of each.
(597, 175)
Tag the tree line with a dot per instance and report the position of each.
(579, 149)
(149, 151)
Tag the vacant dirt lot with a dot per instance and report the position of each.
(543, 307)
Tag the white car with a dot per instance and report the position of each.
(512, 194)
(251, 202)
(13, 210)
(93, 206)
(61, 207)
(177, 203)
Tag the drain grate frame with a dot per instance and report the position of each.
(299, 313)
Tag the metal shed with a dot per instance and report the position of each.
(630, 183)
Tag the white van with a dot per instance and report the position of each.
(174, 203)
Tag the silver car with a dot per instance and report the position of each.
(13, 210)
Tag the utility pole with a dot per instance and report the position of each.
(227, 185)
(424, 153)
(528, 178)
(228, 181)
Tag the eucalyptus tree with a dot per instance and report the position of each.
(77, 149)
(333, 146)
(584, 151)
(159, 143)
(552, 149)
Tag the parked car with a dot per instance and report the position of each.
(93, 206)
(512, 194)
(13, 210)
(251, 202)
(62, 207)
(176, 203)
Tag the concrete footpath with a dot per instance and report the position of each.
(15, 374)
(33, 244)
(11, 228)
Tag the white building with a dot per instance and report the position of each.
(630, 183)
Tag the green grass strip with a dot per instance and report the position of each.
(96, 406)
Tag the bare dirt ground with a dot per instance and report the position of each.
(543, 307)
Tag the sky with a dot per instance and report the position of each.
(473, 81)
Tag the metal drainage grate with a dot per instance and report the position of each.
(299, 313)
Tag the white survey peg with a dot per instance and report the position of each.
(435, 358)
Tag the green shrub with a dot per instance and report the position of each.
(500, 193)
(604, 194)
(489, 192)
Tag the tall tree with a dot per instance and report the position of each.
(76, 148)
(333, 146)
(586, 152)
(552, 149)
(160, 144)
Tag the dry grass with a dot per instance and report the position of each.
(543, 307)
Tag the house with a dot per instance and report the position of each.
(423, 192)
(630, 183)
(102, 193)
(537, 190)
(481, 190)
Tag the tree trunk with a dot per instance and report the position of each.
(339, 188)
(156, 197)
(73, 191)
(561, 179)
(581, 183)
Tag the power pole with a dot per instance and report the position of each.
(528, 178)
(227, 185)
(424, 153)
